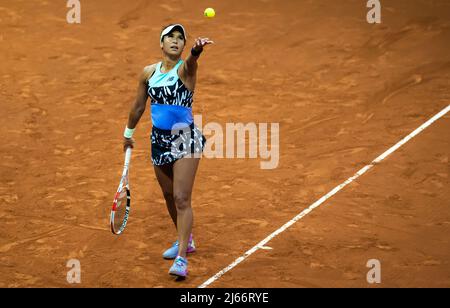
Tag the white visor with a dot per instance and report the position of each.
(170, 28)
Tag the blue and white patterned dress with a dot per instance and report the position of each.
(174, 134)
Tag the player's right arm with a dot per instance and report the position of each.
(138, 108)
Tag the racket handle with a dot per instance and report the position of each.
(127, 156)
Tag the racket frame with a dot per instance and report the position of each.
(123, 182)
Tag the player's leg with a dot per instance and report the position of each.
(184, 171)
(164, 174)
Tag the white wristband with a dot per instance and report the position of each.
(128, 133)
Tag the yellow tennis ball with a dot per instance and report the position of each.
(209, 12)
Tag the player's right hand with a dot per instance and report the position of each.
(128, 142)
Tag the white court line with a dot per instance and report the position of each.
(366, 168)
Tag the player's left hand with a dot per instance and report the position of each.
(201, 42)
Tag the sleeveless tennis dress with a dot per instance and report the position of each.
(174, 134)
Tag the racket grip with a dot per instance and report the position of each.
(127, 156)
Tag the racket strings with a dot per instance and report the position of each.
(121, 208)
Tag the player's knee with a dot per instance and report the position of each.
(182, 200)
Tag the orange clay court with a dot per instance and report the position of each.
(344, 91)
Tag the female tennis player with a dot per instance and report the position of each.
(177, 143)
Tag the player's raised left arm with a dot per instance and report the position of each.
(190, 65)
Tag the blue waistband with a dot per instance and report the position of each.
(177, 131)
(168, 117)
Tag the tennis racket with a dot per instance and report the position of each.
(122, 200)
